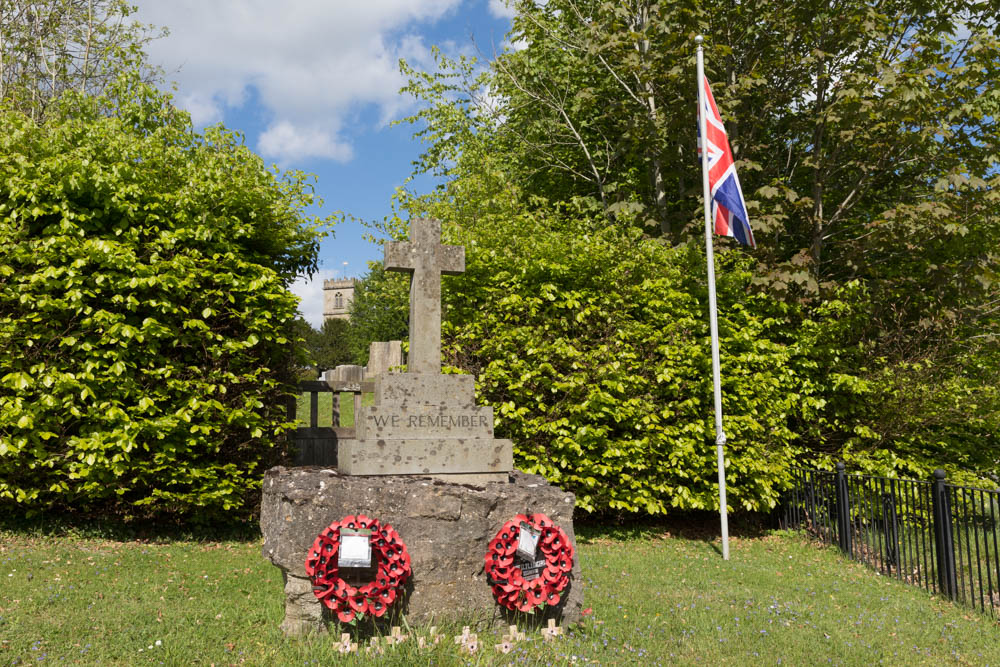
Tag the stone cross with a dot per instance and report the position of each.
(426, 259)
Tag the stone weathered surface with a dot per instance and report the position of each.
(411, 388)
(426, 259)
(445, 526)
(346, 373)
(383, 355)
(402, 456)
(423, 422)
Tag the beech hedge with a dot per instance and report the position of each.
(591, 344)
(145, 316)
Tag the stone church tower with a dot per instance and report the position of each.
(337, 297)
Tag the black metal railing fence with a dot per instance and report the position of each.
(939, 536)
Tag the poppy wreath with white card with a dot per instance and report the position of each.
(529, 562)
(364, 543)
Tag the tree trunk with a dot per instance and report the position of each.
(818, 227)
(653, 146)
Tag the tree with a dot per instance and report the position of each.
(50, 46)
(588, 102)
(329, 346)
(380, 311)
(863, 132)
(589, 342)
(866, 145)
(145, 314)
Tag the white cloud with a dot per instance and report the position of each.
(502, 9)
(203, 110)
(310, 293)
(286, 142)
(312, 64)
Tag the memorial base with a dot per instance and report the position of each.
(446, 527)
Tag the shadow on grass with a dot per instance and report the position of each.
(153, 531)
(701, 526)
(590, 529)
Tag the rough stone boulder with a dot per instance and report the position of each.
(446, 528)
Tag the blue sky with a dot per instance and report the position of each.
(313, 85)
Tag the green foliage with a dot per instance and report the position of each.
(145, 317)
(53, 46)
(329, 346)
(865, 325)
(592, 345)
(380, 311)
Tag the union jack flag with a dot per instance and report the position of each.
(729, 211)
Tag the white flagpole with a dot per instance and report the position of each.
(720, 436)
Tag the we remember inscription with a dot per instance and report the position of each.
(431, 421)
(424, 422)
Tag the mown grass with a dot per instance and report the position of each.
(656, 599)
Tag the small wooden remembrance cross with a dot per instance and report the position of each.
(426, 260)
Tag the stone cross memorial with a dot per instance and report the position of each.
(422, 425)
(423, 422)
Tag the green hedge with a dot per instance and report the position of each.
(144, 312)
(592, 344)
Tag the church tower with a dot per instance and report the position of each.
(337, 297)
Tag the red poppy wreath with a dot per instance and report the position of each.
(521, 582)
(375, 597)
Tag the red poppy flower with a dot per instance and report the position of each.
(533, 596)
(524, 606)
(358, 603)
(387, 595)
(323, 588)
(551, 574)
(345, 615)
(510, 587)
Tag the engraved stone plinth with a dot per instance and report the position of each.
(446, 528)
(425, 425)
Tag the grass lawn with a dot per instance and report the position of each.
(325, 408)
(656, 599)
